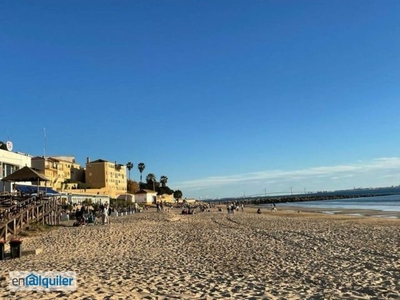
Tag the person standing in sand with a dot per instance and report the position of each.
(104, 215)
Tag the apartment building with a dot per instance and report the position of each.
(105, 175)
(73, 171)
(63, 171)
(100, 176)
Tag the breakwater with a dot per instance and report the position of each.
(290, 199)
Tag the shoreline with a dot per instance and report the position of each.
(334, 211)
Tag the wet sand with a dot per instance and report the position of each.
(338, 211)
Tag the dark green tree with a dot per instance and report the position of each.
(129, 166)
(151, 181)
(163, 180)
(178, 195)
(141, 167)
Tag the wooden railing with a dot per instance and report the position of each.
(18, 213)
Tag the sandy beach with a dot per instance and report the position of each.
(215, 255)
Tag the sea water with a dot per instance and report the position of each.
(380, 203)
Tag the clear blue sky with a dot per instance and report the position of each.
(225, 98)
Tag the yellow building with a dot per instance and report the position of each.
(63, 172)
(107, 176)
(70, 173)
(166, 198)
(48, 166)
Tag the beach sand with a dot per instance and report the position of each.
(215, 255)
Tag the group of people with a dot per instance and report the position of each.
(188, 211)
(87, 215)
(232, 207)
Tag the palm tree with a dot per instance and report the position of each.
(141, 166)
(129, 166)
(151, 179)
(163, 180)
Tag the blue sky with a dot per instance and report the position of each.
(225, 98)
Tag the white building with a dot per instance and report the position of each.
(69, 198)
(146, 197)
(11, 162)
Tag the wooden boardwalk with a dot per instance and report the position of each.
(18, 213)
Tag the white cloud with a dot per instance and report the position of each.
(362, 173)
